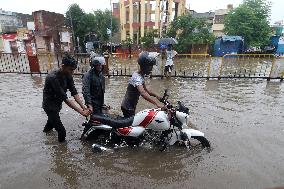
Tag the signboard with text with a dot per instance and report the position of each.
(65, 37)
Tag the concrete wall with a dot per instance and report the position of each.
(48, 25)
(40, 44)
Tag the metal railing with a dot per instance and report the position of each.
(193, 66)
(249, 55)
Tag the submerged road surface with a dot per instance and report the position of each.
(243, 119)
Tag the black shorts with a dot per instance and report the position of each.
(169, 68)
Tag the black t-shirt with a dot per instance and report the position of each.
(55, 88)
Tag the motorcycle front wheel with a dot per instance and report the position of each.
(203, 141)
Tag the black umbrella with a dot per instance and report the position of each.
(168, 41)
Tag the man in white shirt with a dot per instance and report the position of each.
(137, 87)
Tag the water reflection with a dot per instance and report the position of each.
(273, 88)
(212, 85)
(64, 165)
(242, 119)
(150, 163)
(37, 81)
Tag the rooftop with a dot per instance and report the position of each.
(203, 15)
(8, 13)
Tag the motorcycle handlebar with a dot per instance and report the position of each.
(165, 101)
(165, 97)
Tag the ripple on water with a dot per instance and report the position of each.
(242, 119)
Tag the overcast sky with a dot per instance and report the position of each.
(60, 6)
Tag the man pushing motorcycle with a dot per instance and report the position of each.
(136, 85)
(56, 85)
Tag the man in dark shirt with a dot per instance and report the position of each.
(54, 94)
(94, 86)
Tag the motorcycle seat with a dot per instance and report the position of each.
(113, 122)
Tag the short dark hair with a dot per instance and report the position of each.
(69, 60)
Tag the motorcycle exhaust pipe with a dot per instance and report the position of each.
(100, 148)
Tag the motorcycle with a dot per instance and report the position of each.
(164, 127)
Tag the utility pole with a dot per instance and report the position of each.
(110, 26)
(73, 34)
(161, 20)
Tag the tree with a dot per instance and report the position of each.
(127, 44)
(251, 21)
(97, 23)
(148, 39)
(188, 31)
(75, 13)
(103, 23)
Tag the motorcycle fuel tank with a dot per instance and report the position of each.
(152, 119)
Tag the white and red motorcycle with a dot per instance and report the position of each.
(163, 127)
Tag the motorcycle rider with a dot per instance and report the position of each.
(137, 87)
(54, 93)
(94, 86)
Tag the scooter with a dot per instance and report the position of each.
(164, 127)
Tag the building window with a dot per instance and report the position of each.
(115, 5)
(219, 19)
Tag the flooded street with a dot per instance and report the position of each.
(243, 119)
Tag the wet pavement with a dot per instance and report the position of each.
(243, 119)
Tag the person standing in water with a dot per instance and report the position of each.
(170, 54)
(54, 94)
(94, 86)
(136, 86)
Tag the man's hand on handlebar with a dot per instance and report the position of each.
(163, 108)
(159, 106)
(90, 107)
(159, 98)
(85, 113)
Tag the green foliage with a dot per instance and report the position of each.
(188, 31)
(76, 13)
(97, 22)
(148, 39)
(250, 20)
(103, 22)
(127, 43)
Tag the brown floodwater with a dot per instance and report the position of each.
(243, 119)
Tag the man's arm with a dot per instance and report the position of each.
(76, 108)
(150, 92)
(146, 95)
(62, 95)
(74, 93)
(175, 53)
(79, 101)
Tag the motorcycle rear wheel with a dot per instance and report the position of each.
(204, 142)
